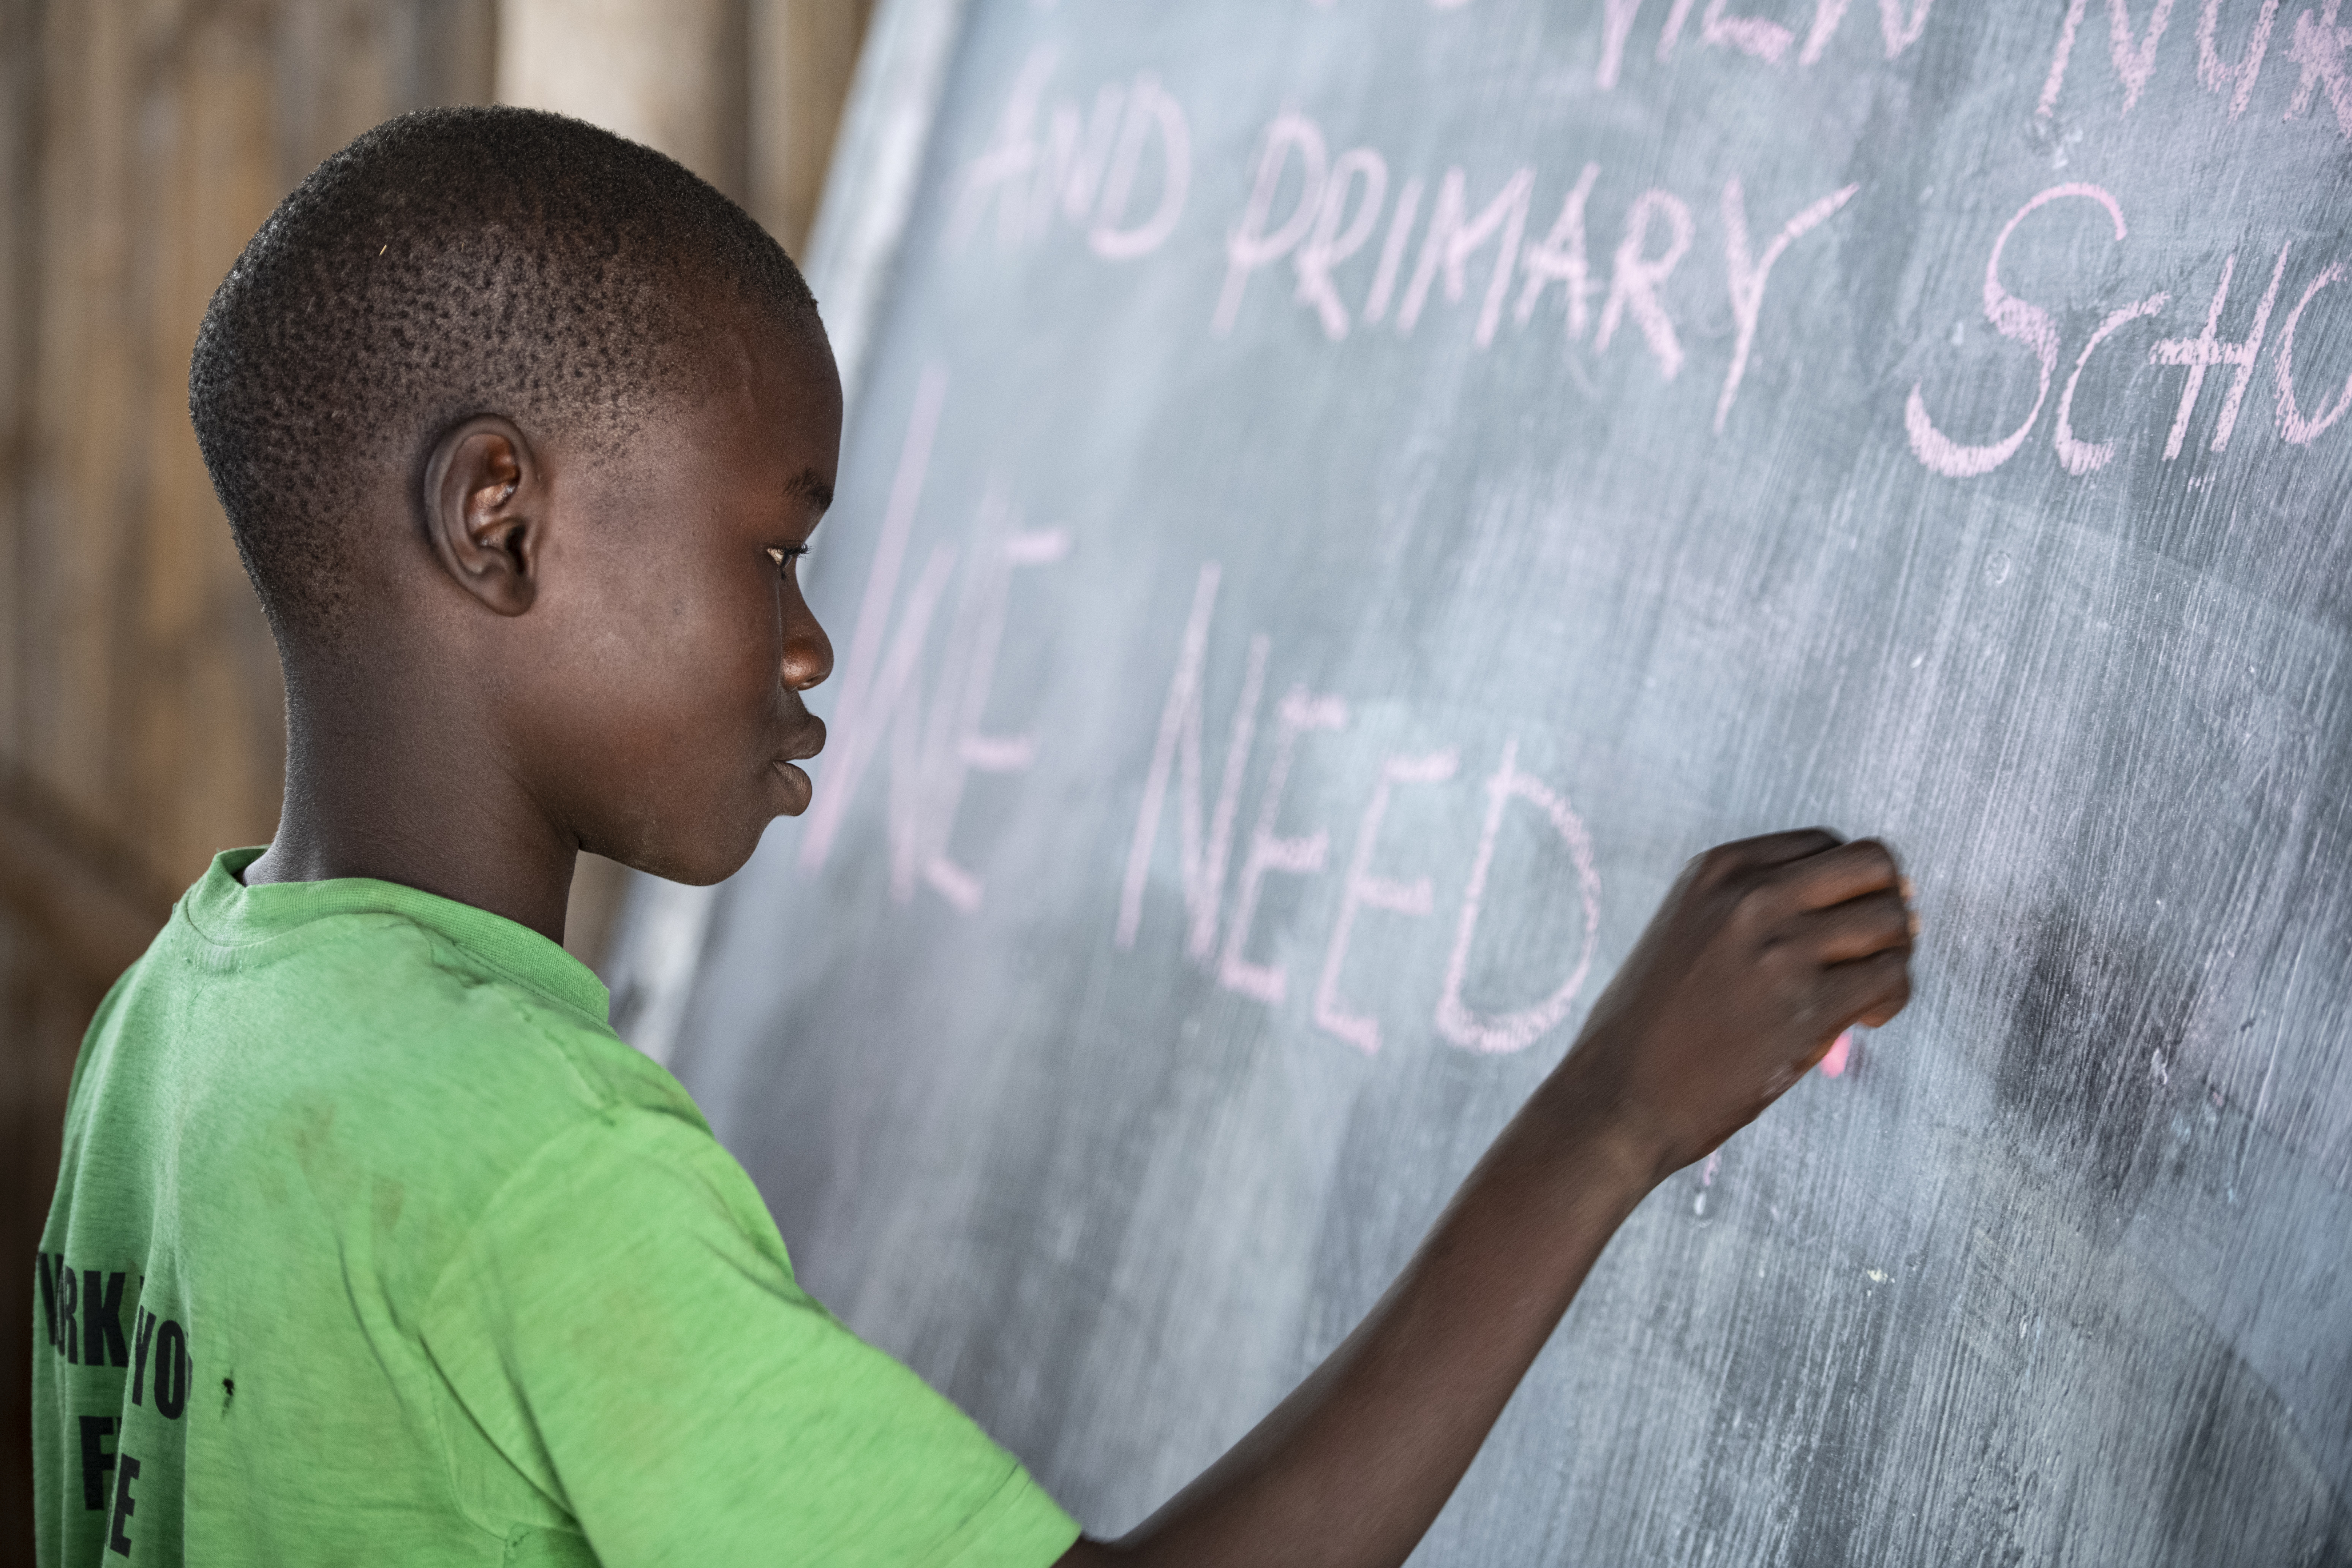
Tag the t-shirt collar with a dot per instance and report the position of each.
(227, 911)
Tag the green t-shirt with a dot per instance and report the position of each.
(372, 1243)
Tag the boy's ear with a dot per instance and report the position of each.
(485, 511)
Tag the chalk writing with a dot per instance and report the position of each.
(1250, 245)
(1205, 841)
(1086, 168)
(2222, 75)
(2291, 422)
(1320, 212)
(2036, 329)
(1300, 713)
(1514, 1031)
(1750, 273)
(936, 741)
(1635, 276)
(926, 787)
(1338, 233)
(1117, 167)
(2018, 322)
(1201, 855)
(1453, 239)
(2205, 351)
(1559, 258)
(1366, 891)
(1755, 37)
(2082, 456)
(2317, 48)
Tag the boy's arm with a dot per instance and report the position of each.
(1763, 953)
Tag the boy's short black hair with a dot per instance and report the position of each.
(449, 263)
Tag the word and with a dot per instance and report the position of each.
(2029, 325)
(1205, 843)
(1082, 168)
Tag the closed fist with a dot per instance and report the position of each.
(1765, 952)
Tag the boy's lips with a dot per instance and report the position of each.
(810, 741)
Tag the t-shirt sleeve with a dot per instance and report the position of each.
(623, 1324)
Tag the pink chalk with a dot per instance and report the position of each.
(1834, 1063)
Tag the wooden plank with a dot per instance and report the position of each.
(668, 73)
(804, 54)
(83, 470)
(92, 907)
(202, 684)
(20, 98)
(140, 681)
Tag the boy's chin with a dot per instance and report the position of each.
(793, 791)
(714, 857)
(700, 847)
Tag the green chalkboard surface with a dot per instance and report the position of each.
(1341, 500)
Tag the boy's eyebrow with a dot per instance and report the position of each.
(810, 486)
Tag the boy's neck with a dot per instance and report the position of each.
(409, 792)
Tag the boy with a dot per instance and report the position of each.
(372, 1243)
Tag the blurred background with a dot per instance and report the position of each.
(141, 143)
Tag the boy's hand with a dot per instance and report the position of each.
(1765, 951)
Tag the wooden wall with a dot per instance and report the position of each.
(141, 141)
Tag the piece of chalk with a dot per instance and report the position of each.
(1834, 1062)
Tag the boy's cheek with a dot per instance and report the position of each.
(668, 715)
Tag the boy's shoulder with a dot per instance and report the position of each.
(409, 980)
(409, 1035)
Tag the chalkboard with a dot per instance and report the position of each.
(1341, 500)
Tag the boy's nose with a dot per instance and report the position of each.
(808, 653)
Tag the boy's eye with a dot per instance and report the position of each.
(784, 556)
